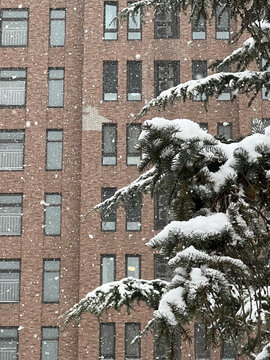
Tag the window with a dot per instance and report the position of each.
(199, 29)
(199, 71)
(53, 214)
(133, 266)
(12, 87)
(204, 126)
(110, 80)
(11, 149)
(54, 150)
(14, 27)
(133, 213)
(166, 75)
(56, 87)
(226, 94)
(132, 351)
(222, 22)
(49, 345)
(162, 215)
(201, 350)
(107, 268)
(166, 25)
(134, 26)
(266, 122)
(9, 340)
(110, 21)
(107, 341)
(10, 280)
(108, 219)
(10, 214)
(224, 130)
(109, 144)
(133, 153)
(160, 350)
(265, 92)
(161, 268)
(228, 351)
(51, 280)
(57, 27)
(134, 80)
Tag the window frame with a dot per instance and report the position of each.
(47, 146)
(13, 271)
(114, 3)
(175, 20)
(221, 125)
(102, 215)
(12, 142)
(137, 256)
(130, 78)
(13, 80)
(195, 26)
(126, 340)
(12, 205)
(56, 79)
(130, 209)
(11, 338)
(43, 280)
(207, 352)
(216, 25)
(176, 73)
(14, 19)
(128, 153)
(111, 324)
(54, 205)
(110, 62)
(49, 339)
(104, 256)
(137, 30)
(109, 155)
(52, 19)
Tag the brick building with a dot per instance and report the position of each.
(70, 81)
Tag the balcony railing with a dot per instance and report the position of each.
(10, 224)
(12, 96)
(11, 159)
(14, 37)
(9, 290)
(8, 354)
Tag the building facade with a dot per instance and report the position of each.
(71, 81)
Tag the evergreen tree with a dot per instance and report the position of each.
(218, 243)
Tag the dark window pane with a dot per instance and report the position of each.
(199, 71)
(110, 80)
(201, 350)
(167, 25)
(166, 75)
(199, 29)
(226, 94)
(133, 214)
(108, 219)
(133, 153)
(107, 341)
(222, 22)
(134, 26)
(109, 144)
(161, 268)
(134, 80)
(228, 351)
(161, 211)
(224, 130)
(133, 351)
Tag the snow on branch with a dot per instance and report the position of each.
(242, 82)
(264, 354)
(117, 294)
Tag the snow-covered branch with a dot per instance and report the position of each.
(115, 295)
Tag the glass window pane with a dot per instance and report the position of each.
(201, 350)
(107, 341)
(53, 220)
(53, 199)
(13, 74)
(162, 269)
(132, 350)
(110, 14)
(133, 266)
(51, 287)
(134, 21)
(52, 265)
(56, 93)
(108, 269)
(58, 14)
(50, 333)
(57, 33)
(56, 73)
(50, 350)
(108, 219)
(110, 80)
(56, 135)
(54, 156)
(13, 14)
